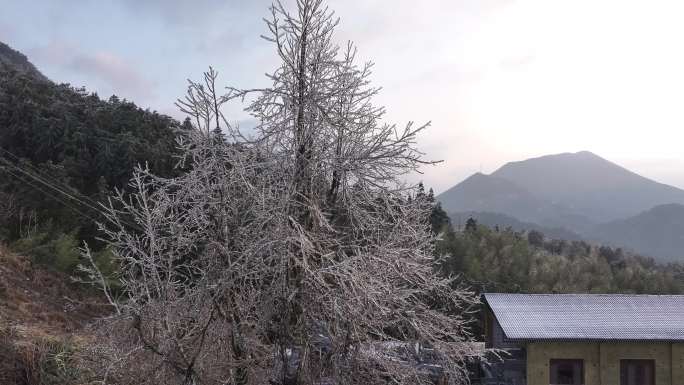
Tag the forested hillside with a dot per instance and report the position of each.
(62, 150)
(504, 260)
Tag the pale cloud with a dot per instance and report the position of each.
(118, 73)
(109, 73)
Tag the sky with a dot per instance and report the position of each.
(500, 80)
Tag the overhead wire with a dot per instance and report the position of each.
(48, 178)
(50, 185)
(65, 203)
(59, 187)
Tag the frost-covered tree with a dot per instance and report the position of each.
(292, 255)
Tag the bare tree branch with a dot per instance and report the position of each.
(298, 256)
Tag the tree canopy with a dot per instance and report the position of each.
(63, 150)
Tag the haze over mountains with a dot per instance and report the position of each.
(580, 193)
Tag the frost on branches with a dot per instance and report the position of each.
(294, 255)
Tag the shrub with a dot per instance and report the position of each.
(59, 250)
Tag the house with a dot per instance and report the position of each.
(585, 339)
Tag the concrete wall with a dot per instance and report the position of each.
(602, 360)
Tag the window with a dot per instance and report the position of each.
(637, 372)
(567, 372)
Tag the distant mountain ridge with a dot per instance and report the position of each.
(589, 185)
(580, 193)
(486, 193)
(656, 232)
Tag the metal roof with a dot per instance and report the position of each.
(589, 316)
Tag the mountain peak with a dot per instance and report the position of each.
(587, 154)
(476, 176)
(17, 61)
(481, 192)
(568, 156)
(591, 185)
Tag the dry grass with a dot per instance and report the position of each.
(37, 297)
(28, 357)
(42, 320)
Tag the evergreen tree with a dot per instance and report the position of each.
(471, 225)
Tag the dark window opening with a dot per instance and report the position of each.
(567, 372)
(637, 372)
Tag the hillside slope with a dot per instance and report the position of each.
(492, 194)
(32, 296)
(657, 232)
(43, 321)
(481, 193)
(57, 134)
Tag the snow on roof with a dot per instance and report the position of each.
(589, 316)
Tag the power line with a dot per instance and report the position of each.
(65, 203)
(49, 178)
(51, 185)
(55, 185)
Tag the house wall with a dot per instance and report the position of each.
(494, 334)
(678, 363)
(602, 360)
(612, 353)
(539, 354)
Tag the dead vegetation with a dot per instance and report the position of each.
(42, 324)
(294, 254)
